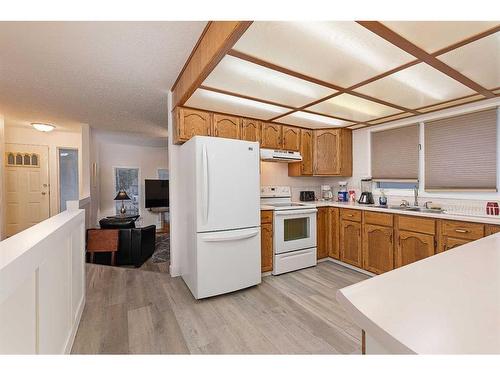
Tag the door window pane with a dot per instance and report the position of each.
(128, 179)
(296, 229)
(68, 177)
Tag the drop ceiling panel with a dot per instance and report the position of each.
(435, 35)
(339, 52)
(417, 86)
(243, 77)
(391, 118)
(353, 108)
(213, 101)
(311, 120)
(480, 60)
(452, 103)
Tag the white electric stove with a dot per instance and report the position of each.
(294, 230)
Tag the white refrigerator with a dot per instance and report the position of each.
(220, 213)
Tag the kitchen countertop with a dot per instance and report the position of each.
(357, 206)
(445, 304)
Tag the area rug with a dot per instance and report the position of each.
(162, 249)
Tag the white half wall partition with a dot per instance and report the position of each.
(42, 285)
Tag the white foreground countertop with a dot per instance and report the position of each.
(356, 206)
(445, 304)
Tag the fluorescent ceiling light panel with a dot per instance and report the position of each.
(339, 52)
(311, 120)
(353, 108)
(245, 78)
(214, 101)
(416, 86)
(432, 36)
(480, 60)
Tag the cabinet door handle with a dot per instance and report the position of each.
(461, 231)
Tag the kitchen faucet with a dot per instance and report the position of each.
(415, 194)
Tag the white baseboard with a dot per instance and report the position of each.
(74, 329)
(351, 267)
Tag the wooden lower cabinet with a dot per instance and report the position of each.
(412, 246)
(449, 243)
(350, 243)
(327, 232)
(266, 240)
(322, 232)
(266, 247)
(491, 229)
(378, 248)
(334, 251)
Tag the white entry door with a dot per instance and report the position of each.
(26, 186)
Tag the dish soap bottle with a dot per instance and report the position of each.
(382, 200)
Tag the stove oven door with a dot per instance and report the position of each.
(294, 229)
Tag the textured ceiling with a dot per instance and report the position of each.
(111, 75)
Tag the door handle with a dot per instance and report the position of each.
(44, 193)
(232, 237)
(205, 183)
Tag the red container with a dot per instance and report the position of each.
(492, 208)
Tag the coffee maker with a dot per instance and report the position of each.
(326, 193)
(366, 196)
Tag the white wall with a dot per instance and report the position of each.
(109, 155)
(2, 189)
(84, 162)
(55, 139)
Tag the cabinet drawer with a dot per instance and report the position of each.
(266, 217)
(378, 218)
(417, 224)
(461, 229)
(348, 214)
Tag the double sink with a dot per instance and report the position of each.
(414, 209)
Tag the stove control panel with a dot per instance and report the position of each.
(275, 191)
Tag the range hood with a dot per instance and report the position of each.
(283, 156)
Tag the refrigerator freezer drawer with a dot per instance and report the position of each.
(227, 261)
(294, 260)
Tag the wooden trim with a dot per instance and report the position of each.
(218, 38)
(191, 55)
(383, 102)
(407, 46)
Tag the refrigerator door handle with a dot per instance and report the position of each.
(220, 237)
(205, 183)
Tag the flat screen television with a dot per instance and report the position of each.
(156, 193)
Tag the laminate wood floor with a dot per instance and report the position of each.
(141, 312)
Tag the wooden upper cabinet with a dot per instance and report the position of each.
(378, 248)
(250, 130)
(333, 152)
(291, 138)
(350, 243)
(226, 126)
(190, 122)
(305, 167)
(271, 136)
(413, 246)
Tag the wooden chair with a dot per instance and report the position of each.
(102, 241)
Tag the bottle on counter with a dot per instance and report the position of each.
(343, 195)
(382, 200)
(352, 196)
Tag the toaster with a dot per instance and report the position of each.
(307, 196)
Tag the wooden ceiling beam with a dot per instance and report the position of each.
(216, 40)
(407, 46)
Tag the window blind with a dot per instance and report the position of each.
(461, 152)
(394, 154)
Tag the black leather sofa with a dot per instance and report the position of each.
(135, 246)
